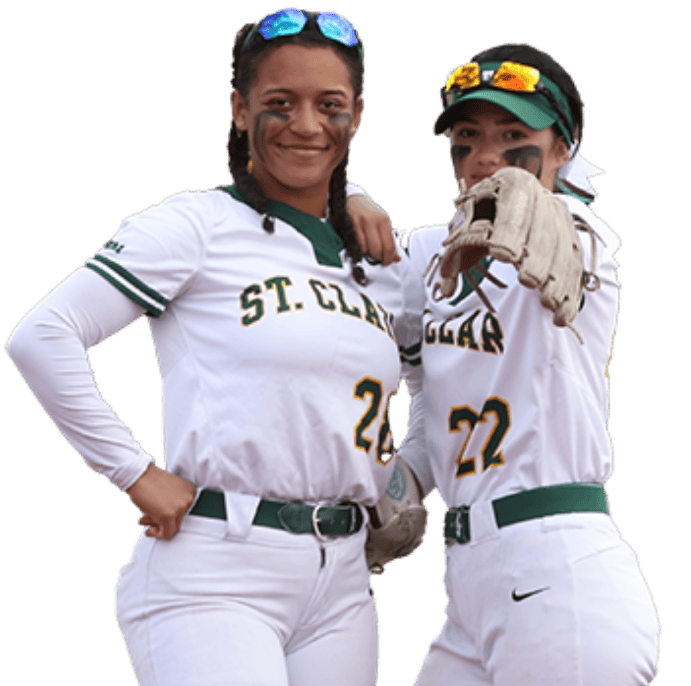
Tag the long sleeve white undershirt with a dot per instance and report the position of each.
(49, 347)
(413, 449)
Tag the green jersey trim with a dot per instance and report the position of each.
(326, 243)
(412, 350)
(154, 303)
(411, 355)
(569, 189)
(411, 361)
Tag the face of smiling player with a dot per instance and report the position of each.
(488, 137)
(300, 115)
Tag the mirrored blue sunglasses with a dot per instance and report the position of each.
(290, 22)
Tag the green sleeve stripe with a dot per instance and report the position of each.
(137, 285)
(151, 308)
(411, 355)
(412, 350)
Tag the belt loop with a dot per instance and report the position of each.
(240, 511)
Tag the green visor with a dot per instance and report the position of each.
(532, 109)
(538, 109)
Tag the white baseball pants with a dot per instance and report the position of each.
(558, 601)
(271, 609)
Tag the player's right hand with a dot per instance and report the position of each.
(373, 229)
(164, 500)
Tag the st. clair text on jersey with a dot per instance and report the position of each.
(274, 295)
(469, 330)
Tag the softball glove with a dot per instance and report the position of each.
(397, 521)
(512, 217)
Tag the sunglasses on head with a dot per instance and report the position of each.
(508, 76)
(290, 22)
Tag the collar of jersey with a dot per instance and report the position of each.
(326, 243)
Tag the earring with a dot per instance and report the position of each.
(249, 166)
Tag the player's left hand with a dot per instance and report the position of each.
(398, 520)
(373, 229)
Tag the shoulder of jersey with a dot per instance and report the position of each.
(424, 243)
(220, 205)
(602, 230)
(198, 208)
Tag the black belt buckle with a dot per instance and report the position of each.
(457, 524)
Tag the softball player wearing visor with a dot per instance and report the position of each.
(513, 410)
(509, 416)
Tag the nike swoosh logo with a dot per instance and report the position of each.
(518, 597)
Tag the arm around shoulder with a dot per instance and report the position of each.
(373, 228)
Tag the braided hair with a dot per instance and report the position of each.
(246, 61)
(545, 64)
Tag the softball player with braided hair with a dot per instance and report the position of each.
(508, 419)
(278, 360)
(240, 162)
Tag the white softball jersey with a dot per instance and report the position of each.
(277, 366)
(510, 401)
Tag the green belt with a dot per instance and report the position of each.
(294, 516)
(532, 504)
